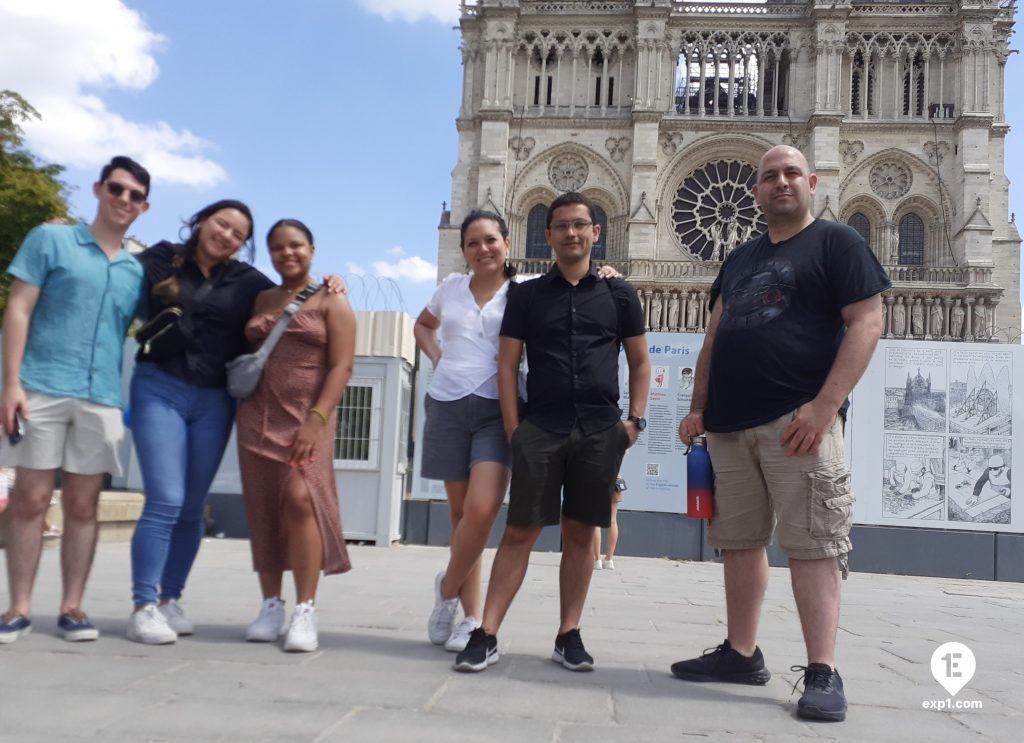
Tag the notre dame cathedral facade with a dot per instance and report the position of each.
(659, 110)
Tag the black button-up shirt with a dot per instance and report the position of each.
(217, 323)
(572, 336)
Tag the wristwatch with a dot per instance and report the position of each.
(640, 423)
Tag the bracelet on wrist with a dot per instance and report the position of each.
(319, 414)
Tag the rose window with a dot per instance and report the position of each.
(890, 180)
(714, 210)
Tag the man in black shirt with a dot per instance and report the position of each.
(796, 314)
(567, 449)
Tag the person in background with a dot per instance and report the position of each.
(286, 439)
(613, 531)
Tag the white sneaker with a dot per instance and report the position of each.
(609, 564)
(302, 632)
(460, 635)
(149, 626)
(270, 624)
(597, 564)
(176, 618)
(442, 618)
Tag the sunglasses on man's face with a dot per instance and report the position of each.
(115, 189)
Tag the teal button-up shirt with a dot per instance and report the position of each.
(86, 303)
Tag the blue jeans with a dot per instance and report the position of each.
(180, 432)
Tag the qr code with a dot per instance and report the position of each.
(653, 469)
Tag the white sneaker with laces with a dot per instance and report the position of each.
(442, 618)
(609, 564)
(302, 636)
(149, 626)
(270, 624)
(176, 618)
(456, 643)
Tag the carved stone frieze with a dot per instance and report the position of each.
(850, 151)
(617, 148)
(521, 147)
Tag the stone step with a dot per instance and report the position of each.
(117, 514)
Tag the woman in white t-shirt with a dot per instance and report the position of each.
(464, 441)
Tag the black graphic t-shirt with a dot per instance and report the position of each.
(781, 322)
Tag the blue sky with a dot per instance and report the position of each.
(340, 113)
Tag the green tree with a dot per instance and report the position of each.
(30, 192)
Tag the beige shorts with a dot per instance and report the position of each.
(67, 433)
(807, 501)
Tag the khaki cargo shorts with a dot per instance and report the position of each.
(807, 501)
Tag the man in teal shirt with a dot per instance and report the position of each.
(74, 294)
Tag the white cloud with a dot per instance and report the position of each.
(60, 55)
(409, 268)
(411, 11)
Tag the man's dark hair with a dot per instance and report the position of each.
(121, 162)
(572, 197)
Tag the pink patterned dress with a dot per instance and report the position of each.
(268, 421)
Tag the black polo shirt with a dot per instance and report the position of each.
(217, 323)
(572, 336)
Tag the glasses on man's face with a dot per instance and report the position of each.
(996, 469)
(563, 227)
(115, 189)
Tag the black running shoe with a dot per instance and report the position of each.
(823, 697)
(481, 651)
(724, 664)
(569, 651)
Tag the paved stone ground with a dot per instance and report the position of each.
(376, 678)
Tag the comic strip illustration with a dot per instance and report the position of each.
(915, 390)
(979, 480)
(913, 477)
(980, 393)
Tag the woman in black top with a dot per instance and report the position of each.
(181, 412)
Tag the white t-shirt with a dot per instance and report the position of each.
(469, 340)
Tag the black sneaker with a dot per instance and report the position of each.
(481, 651)
(569, 651)
(823, 697)
(724, 664)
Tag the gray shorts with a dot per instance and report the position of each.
(458, 434)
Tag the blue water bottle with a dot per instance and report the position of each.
(700, 480)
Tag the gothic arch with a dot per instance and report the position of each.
(925, 185)
(601, 176)
(871, 208)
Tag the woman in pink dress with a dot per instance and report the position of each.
(286, 439)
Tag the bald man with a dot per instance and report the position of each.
(796, 314)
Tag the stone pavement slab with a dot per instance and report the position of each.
(376, 678)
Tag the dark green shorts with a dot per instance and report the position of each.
(570, 474)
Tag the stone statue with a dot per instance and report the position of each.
(718, 241)
(732, 236)
(899, 319)
(656, 304)
(956, 321)
(980, 326)
(936, 318)
(885, 313)
(673, 311)
(894, 254)
(917, 317)
(693, 312)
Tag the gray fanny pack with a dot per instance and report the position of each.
(244, 371)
